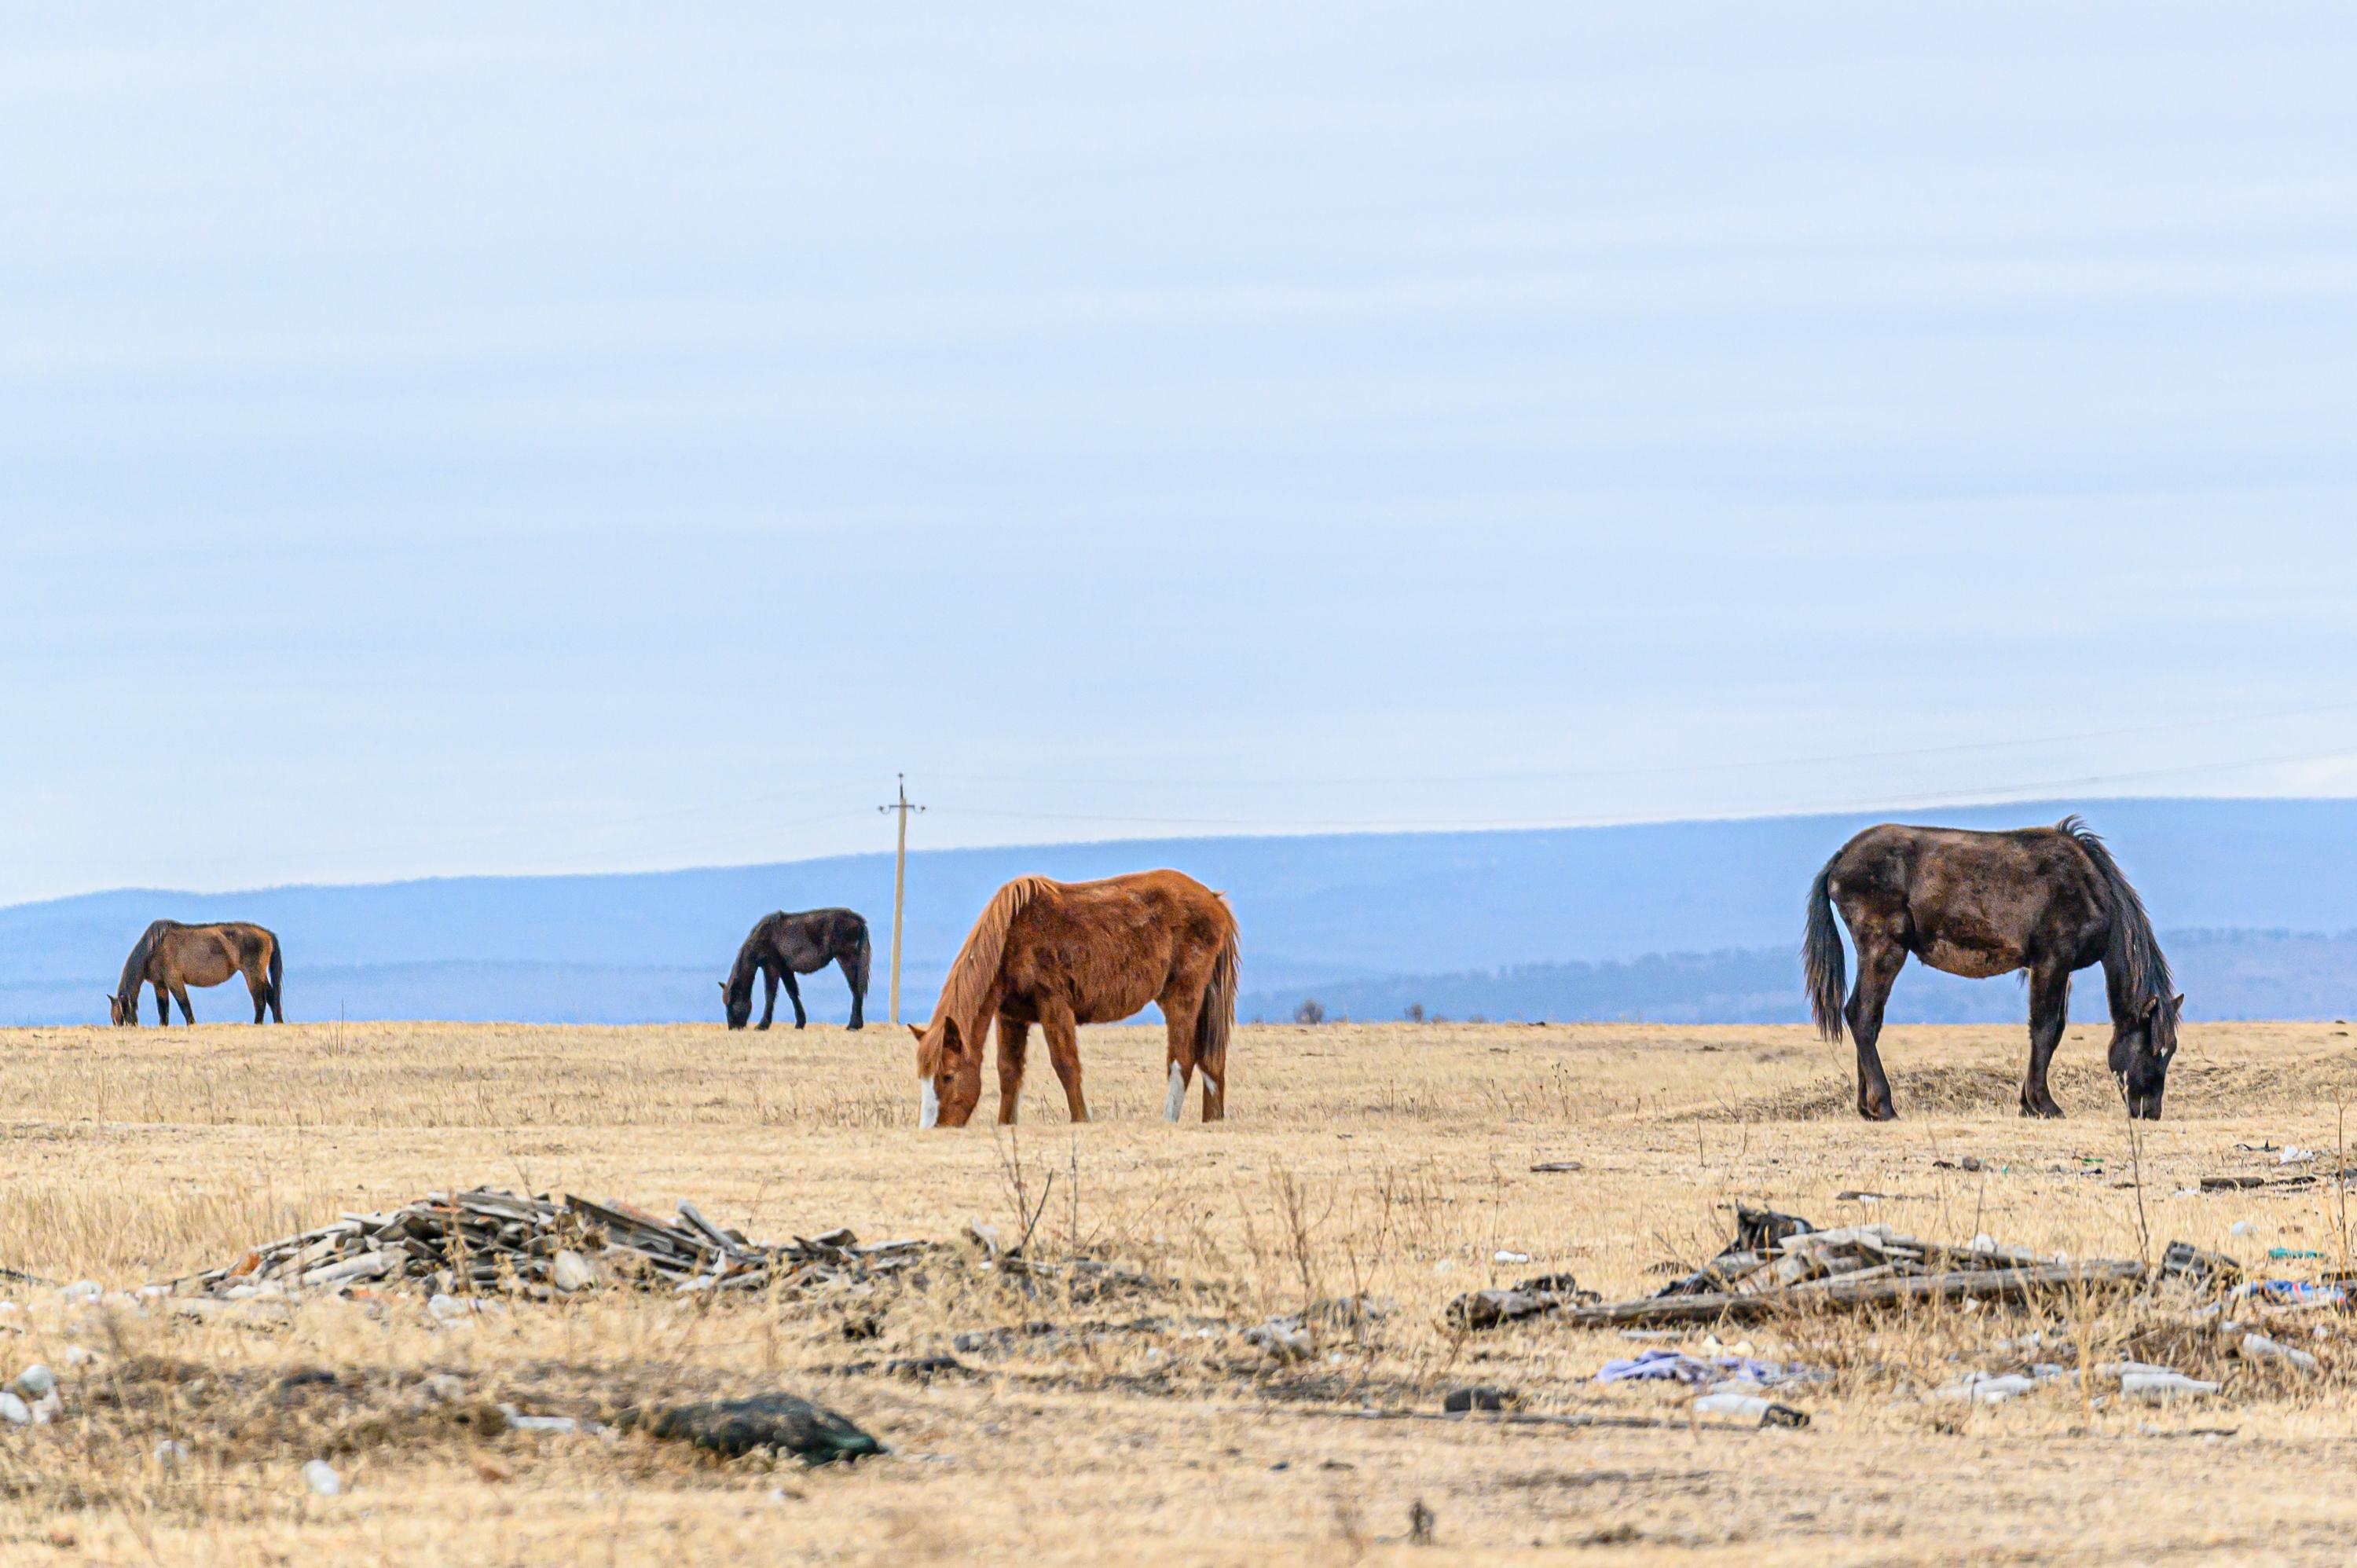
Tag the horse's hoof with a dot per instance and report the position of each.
(1878, 1112)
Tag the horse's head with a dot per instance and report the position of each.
(949, 1074)
(121, 1010)
(736, 1000)
(2141, 1051)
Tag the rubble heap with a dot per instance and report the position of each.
(485, 1241)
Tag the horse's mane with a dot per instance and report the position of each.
(740, 973)
(966, 993)
(2135, 961)
(134, 968)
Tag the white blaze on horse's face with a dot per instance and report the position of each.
(1170, 1107)
(929, 1105)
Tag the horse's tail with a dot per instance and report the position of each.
(2134, 961)
(277, 974)
(862, 956)
(1821, 954)
(1217, 1017)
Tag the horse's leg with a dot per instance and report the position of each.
(1064, 1050)
(2049, 1012)
(1013, 1042)
(849, 964)
(162, 1004)
(794, 995)
(770, 996)
(1178, 1025)
(180, 994)
(1880, 957)
(259, 989)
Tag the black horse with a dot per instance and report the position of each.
(2050, 900)
(782, 946)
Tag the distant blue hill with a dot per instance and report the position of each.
(1318, 914)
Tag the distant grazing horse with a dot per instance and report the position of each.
(172, 957)
(782, 946)
(2050, 900)
(1061, 954)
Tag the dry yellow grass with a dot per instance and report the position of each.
(1389, 1160)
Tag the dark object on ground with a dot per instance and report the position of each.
(2185, 1261)
(1757, 1233)
(925, 1368)
(2049, 900)
(1420, 1520)
(1488, 1308)
(1558, 1165)
(781, 946)
(1785, 1416)
(782, 1421)
(1459, 1400)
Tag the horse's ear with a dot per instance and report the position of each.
(2177, 1005)
(917, 1030)
(724, 986)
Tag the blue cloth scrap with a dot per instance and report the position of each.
(1676, 1366)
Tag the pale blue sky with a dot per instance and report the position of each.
(572, 437)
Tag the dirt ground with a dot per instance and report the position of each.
(1389, 1161)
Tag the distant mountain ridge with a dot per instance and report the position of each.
(1318, 913)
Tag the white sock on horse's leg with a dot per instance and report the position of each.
(1170, 1107)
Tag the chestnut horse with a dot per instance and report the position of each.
(1061, 954)
(2050, 900)
(172, 957)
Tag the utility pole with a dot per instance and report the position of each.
(900, 884)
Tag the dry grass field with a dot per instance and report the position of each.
(1389, 1160)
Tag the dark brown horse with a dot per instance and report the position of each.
(172, 957)
(781, 946)
(2049, 900)
(1061, 954)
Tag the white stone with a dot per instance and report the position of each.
(569, 1270)
(36, 1380)
(14, 1411)
(321, 1478)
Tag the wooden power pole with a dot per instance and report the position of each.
(900, 884)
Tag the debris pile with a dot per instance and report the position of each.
(1781, 1261)
(485, 1241)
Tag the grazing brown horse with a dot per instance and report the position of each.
(2049, 900)
(172, 957)
(781, 946)
(1061, 954)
